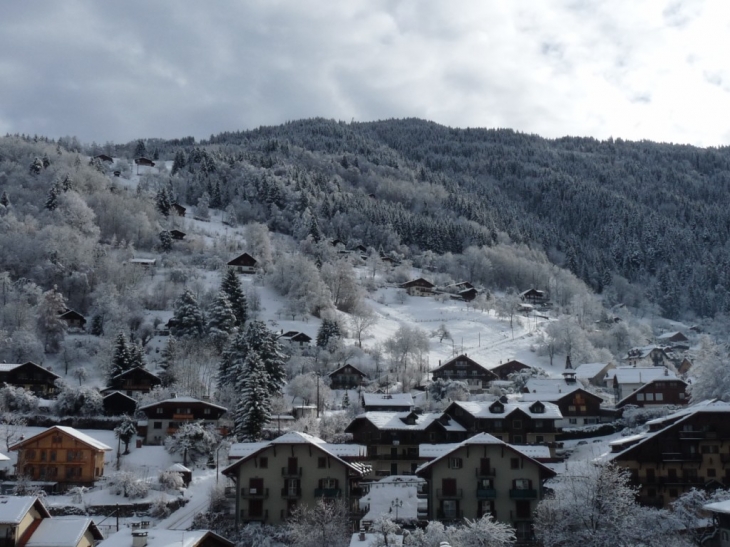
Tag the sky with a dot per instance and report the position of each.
(118, 71)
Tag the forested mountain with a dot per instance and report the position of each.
(651, 213)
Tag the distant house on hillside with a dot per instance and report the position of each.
(671, 337)
(467, 370)
(104, 158)
(418, 287)
(117, 403)
(503, 370)
(594, 373)
(166, 417)
(177, 234)
(578, 406)
(396, 402)
(296, 338)
(73, 319)
(244, 263)
(647, 356)
(346, 377)
(29, 376)
(179, 209)
(626, 380)
(534, 296)
(658, 392)
(143, 262)
(135, 380)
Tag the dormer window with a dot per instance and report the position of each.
(538, 408)
(496, 408)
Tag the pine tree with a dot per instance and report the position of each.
(254, 405)
(237, 299)
(140, 151)
(165, 241)
(49, 323)
(346, 400)
(52, 200)
(231, 365)
(264, 342)
(178, 163)
(221, 320)
(4, 199)
(328, 331)
(189, 319)
(136, 356)
(125, 431)
(162, 201)
(167, 362)
(121, 358)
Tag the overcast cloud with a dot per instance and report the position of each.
(117, 71)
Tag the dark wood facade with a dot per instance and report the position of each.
(166, 417)
(503, 370)
(179, 209)
(662, 391)
(244, 263)
(117, 403)
(29, 376)
(73, 319)
(465, 369)
(418, 287)
(136, 380)
(346, 377)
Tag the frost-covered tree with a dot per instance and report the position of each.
(17, 400)
(362, 319)
(711, 372)
(691, 517)
(304, 387)
(140, 150)
(163, 202)
(50, 326)
(170, 480)
(168, 360)
(136, 355)
(12, 427)
(80, 374)
(325, 524)
(254, 404)
(78, 400)
(125, 431)
(202, 209)
(193, 441)
(231, 286)
(189, 321)
(121, 356)
(165, 241)
(342, 282)
(594, 505)
(221, 320)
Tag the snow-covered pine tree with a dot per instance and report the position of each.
(189, 319)
(178, 163)
(165, 241)
(50, 325)
(232, 287)
(121, 357)
(329, 330)
(253, 409)
(136, 356)
(52, 199)
(264, 342)
(4, 199)
(162, 201)
(125, 431)
(221, 321)
(140, 150)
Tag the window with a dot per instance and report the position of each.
(53, 455)
(206, 411)
(156, 425)
(681, 396)
(649, 396)
(522, 484)
(660, 396)
(322, 462)
(588, 421)
(56, 439)
(572, 421)
(517, 439)
(43, 455)
(514, 463)
(449, 508)
(571, 408)
(516, 424)
(159, 410)
(539, 439)
(538, 424)
(329, 483)
(455, 463)
(497, 425)
(264, 463)
(583, 408)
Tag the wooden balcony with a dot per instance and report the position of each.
(246, 516)
(486, 493)
(327, 492)
(449, 515)
(291, 493)
(292, 473)
(485, 472)
(681, 457)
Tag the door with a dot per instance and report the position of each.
(393, 468)
(293, 466)
(256, 486)
(255, 508)
(485, 468)
(448, 487)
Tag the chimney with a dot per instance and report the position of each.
(139, 539)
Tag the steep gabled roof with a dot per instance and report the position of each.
(137, 370)
(63, 532)
(357, 370)
(183, 400)
(420, 282)
(648, 386)
(70, 431)
(7, 367)
(14, 508)
(482, 409)
(388, 399)
(406, 421)
(243, 260)
(639, 375)
(464, 357)
(297, 437)
(481, 439)
(158, 537)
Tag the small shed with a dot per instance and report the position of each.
(179, 209)
(185, 473)
(244, 263)
(73, 319)
(177, 234)
(104, 158)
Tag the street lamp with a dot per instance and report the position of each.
(397, 503)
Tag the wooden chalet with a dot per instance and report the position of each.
(465, 369)
(73, 319)
(503, 370)
(61, 454)
(360, 249)
(387, 402)
(19, 517)
(672, 338)
(346, 377)
(419, 287)
(534, 296)
(244, 263)
(179, 209)
(467, 295)
(117, 403)
(144, 161)
(177, 234)
(658, 392)
(684, 366)
(104, 158)
(647, 356)
(29, 376)
(143, 262)
(578, 406)
(134, 380)
(166, 417)
(296, 338)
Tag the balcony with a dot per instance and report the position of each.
(291, 493)
(292, 473)
(394, 457)
(652, 501)
(691, 435)
(254, 493)
(246, 516)
(680, 480)
(449, 494)
(327, 492)
(449, 515)
(523, 494)
(485, 472)
(681, 457)
(486, 493)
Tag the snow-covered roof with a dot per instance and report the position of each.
(589, 370)
(62, 532)
(157, 537)
(478, 440)
(641, 353)
(385, 420)
(381, 494)
(631, 439)
(640, 375)
(372, 539)
(243, 450)
(556, 386)
(718, 507)
(183, 399)
(3, 458)
(387, 399)
(480, 409)
(435, 450)
(7, 367)
(533, 450)
(14, 508)
(180, 468)
(83, 437)
(337, 451)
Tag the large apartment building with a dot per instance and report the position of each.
(393, 438)
(275, 477)
(687, 449)
(483, 475)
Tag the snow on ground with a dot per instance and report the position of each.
(385, 494)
